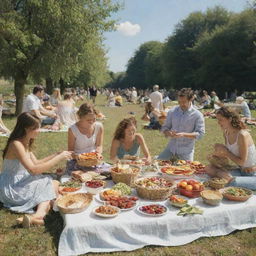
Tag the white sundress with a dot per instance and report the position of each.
(20, 191)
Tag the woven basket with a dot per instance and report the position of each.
(70, 199)
(153, 194)
(89, 162)
(237, 198)
(217, 183)
(127, 178)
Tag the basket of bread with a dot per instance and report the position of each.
(74, 203)
(89, 159)
(153, 188)
(124, 173)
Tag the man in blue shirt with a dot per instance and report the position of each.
(184, 125)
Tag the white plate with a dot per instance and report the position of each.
(97, 197)
(106, 215)
(152, 215)
(128, 209)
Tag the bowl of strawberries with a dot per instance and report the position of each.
(94, 186)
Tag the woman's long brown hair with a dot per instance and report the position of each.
(231, 114)
(24, 121)
(120, 129)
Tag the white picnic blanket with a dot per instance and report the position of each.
(84, 232)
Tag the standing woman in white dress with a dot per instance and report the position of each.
(85, 136)
(23, 188)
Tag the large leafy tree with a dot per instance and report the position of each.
(143, 68)
(94, 69)
(227, 55)
(180, 63)
(48, 38)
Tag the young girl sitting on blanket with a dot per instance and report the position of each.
(127, 142)
(84, 136)
(23, 188)
(239, 148)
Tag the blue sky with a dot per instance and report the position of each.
(144, 20)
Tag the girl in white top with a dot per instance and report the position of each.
(66, 112)
(239, 148)
(86, 135)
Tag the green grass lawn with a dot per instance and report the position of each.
(15, 240)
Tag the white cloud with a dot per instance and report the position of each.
(128, 29)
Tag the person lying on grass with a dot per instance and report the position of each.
(127, 142)
(239, 148)
(23, 188)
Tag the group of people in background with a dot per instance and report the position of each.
(24, 189)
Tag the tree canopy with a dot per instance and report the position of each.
(49, 38)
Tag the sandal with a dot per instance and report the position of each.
(29, 221)
(19, 220)
(26, 223)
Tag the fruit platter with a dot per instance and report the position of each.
(153, 210)
(153, 188)
(177, 172)
(236, 193)
(94, 186)
(106, 211)
(107, 193)
(190, 188)
(125, 203)
(69, 186)
(89, 159)
(177, 201)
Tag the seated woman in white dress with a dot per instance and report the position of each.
(23, 188)
(66, 113)
(239, 148)
(84, 136)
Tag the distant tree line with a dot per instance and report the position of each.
(215, 50)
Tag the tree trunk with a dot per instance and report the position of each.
(62, 86)
(19, 88)
(49, 85)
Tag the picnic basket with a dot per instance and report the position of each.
(124, 176)
(89, 159)
(74, 203)
(160, 193)
(217, 183)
